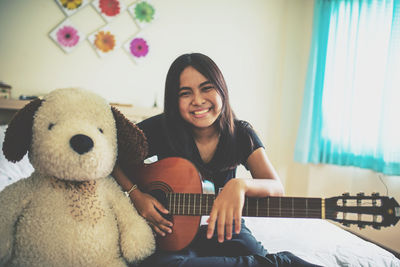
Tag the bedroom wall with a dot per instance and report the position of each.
(261, 46)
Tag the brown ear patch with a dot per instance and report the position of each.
(18, 137)
(132, 144)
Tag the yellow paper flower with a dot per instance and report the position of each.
(71, 4)
(105, 41)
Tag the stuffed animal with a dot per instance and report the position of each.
(70, 212)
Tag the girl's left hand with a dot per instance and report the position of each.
(227, 208)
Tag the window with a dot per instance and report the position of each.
(352, 95)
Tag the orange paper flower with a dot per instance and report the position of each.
(105, 41)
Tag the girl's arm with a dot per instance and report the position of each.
(145, 204)
(229, 203)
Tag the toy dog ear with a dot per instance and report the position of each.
(18, 137)
(132, 143)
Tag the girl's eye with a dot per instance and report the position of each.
(183, 93)
(51, 125)
(100, 130)
(207, 88)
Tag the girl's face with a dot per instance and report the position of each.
(199, 101)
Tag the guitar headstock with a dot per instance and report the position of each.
(375, 210)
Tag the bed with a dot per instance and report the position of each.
(314, 240)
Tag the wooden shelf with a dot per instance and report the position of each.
(133, 113)
(13, 104)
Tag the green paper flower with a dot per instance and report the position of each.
(144, 12)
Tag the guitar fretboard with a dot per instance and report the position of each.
(288, 207)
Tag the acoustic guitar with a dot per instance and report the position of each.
(177, 184)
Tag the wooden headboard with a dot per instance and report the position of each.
(8, 107)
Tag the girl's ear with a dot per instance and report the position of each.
(18, 137)
(132, 144)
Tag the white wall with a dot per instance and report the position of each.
(261, 46)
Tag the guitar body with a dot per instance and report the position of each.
(172, 175)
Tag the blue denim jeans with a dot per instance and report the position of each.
(242, 250)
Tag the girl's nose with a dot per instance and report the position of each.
(198, 99)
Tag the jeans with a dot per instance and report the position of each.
(242, 250)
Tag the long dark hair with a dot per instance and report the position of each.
(178, 131)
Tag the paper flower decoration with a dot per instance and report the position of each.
(66, 36)
(143, 13)
(71, 4)
(104, 41)
(109, 9)
(69, 7)
(138, 48)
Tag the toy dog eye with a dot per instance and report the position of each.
(50, 126)
(100, 130)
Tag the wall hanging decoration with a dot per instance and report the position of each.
(66, 36)
(103, 41)
(138, 48)
(69, 7)
(142, 12)
(109, 9)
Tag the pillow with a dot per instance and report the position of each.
(12, 172)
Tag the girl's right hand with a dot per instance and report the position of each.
(148, 208)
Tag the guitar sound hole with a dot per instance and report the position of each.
(162, 198)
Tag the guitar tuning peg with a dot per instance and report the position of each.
(346, 194)
(361, 194)
(375, 194)
(377, 227)
(346, 224)
(361, 226)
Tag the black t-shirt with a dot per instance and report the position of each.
(246, 142)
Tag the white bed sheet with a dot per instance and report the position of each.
(316, 241)
(319, 242)
(11, 172)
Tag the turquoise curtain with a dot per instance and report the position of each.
(351, 105)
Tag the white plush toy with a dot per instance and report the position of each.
(70, 212)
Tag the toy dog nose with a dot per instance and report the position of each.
(81, 143)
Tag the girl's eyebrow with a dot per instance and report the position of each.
(204, 83)
(200, 85)
(184, 88)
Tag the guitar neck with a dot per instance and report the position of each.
(288, 207)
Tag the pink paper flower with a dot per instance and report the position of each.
(139, 47)
(67, 36)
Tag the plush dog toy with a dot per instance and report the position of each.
(70, 212)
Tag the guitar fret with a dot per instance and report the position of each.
(292, 207)
(306, 208)
(257, 207)
(194, 205)
(179, 202)
(268, 206)
(201, 206)
(207, 203)
(183, 203)
(188, 208)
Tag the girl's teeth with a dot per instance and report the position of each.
(200, 112)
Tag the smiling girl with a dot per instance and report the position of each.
(198, 124)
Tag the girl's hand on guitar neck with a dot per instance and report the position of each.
(148, 207)
(227, 208)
